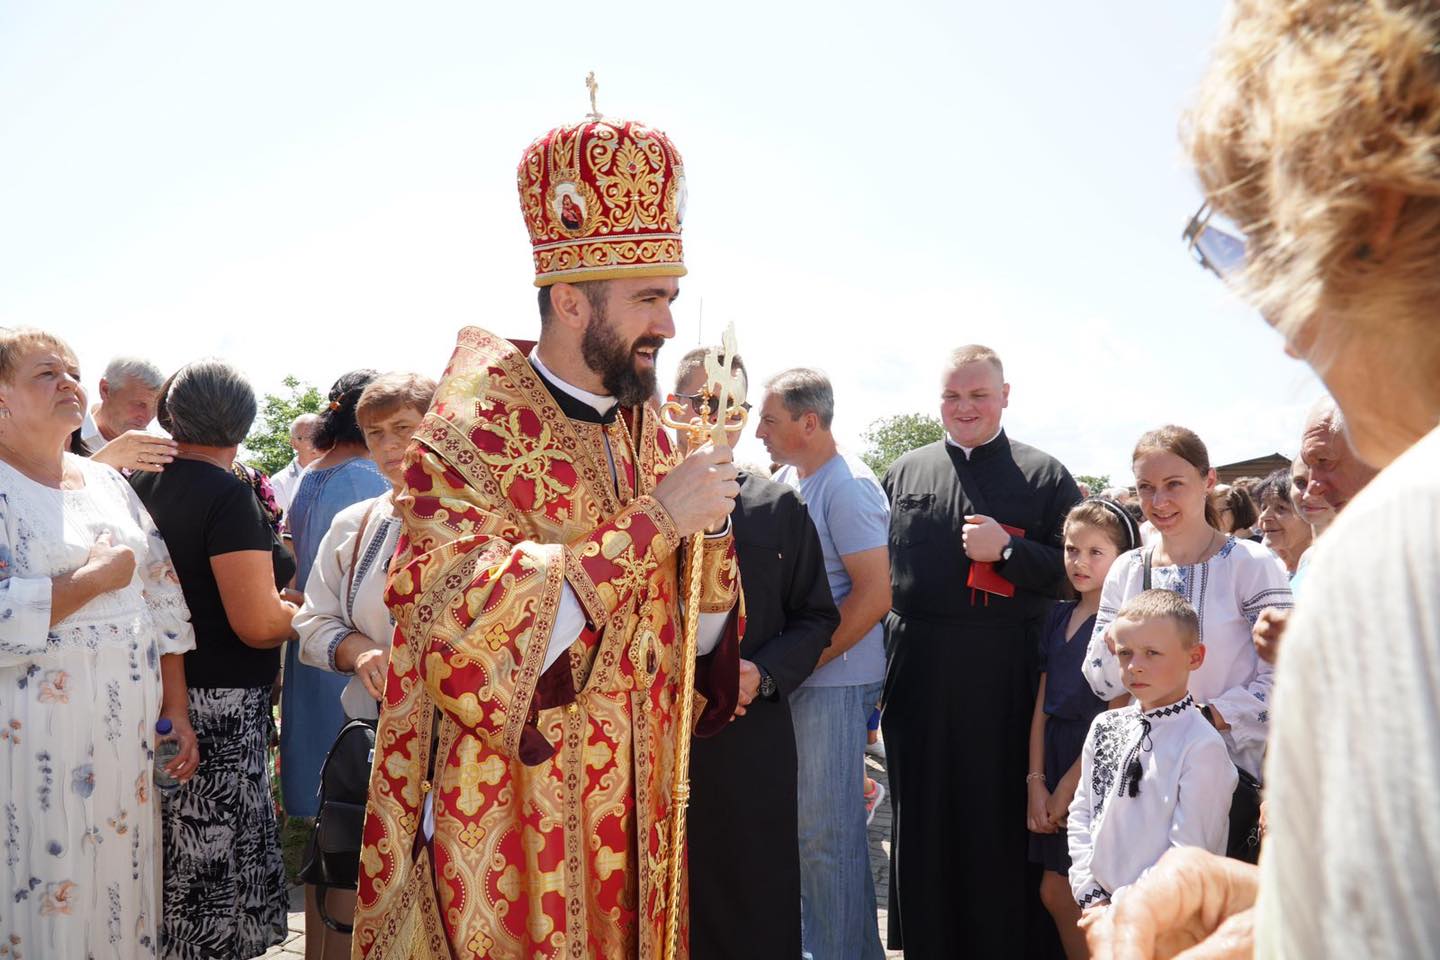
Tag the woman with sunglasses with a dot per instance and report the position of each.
(1318, 133)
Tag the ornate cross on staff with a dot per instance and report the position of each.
(726, 387)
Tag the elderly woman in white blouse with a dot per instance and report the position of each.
(344, 625)
(93, 629)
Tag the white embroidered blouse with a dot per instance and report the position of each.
(1181, 798)
(1228, 591)
(338, 603)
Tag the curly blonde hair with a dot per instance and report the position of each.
(1311, 110)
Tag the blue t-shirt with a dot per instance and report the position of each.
(851, 514)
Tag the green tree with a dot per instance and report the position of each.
(268, 447)
(1095, 483)
(888, 438)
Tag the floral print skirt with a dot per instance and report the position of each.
(225, 890)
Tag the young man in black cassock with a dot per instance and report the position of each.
(962, 674)
(744, 852)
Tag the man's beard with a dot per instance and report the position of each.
(605, 354)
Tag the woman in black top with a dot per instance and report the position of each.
(225, 891)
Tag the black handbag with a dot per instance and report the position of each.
(1244, 842)
(332, 858)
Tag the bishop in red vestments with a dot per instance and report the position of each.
(525, 752)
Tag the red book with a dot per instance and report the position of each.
(984, 576)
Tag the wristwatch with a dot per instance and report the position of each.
(1009, 549)
(768, 686)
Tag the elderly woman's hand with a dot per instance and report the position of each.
(1192, 905)
(370, 667)
(185, 764)
(137, 450)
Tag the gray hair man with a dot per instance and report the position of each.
(114, 430)
(831, 708)
(302, 440)
(1334, 471)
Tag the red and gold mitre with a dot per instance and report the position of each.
(603, 199)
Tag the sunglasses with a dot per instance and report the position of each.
(712, 404)
(1222, 253)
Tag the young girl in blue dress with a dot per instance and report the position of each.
(1096, 532)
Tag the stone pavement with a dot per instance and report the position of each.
(294, 946)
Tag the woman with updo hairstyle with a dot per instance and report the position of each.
(310, 713)
(1317, 133)
(1227, 580)
(93, 634)
(224, 879)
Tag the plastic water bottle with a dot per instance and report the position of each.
(165, 751)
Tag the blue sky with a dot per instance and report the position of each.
(308, 188)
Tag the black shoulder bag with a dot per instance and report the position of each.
(1244, 842)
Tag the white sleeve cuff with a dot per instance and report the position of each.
(711, 632)
(568, 624)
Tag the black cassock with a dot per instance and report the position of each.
(959, 694)
(744, 851)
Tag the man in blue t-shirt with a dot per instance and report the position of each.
(852, 515)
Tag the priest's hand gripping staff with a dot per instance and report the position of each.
(721, 398)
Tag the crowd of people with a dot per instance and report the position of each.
(1098, 711)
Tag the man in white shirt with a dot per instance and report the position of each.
(302, 440)
(114, 430)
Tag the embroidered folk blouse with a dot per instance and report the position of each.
(1181, 799)
(1228, 591)
(338, 603)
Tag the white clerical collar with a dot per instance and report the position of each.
(970, 450)
(602, 404)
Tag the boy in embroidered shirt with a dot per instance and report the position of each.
(1154, 774)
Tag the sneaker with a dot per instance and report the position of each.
(872, 800)
(876, 750)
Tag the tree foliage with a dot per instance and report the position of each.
(267, 449)
(1096, 484)
(887, 438)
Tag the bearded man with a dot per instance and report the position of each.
(535, 594)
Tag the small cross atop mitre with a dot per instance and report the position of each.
(592, 85)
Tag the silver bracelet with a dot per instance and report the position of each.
(1033, 776)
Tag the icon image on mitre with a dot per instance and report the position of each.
(568, 207)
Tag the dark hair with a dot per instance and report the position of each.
(1275, 488)
(1110, 518)
(1241, 506)
(1186, 445)
(594, 291)
(207, 402)
(337, 422)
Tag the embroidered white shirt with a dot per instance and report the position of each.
(1228, 591)
(338, 603)
(1181, 799)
